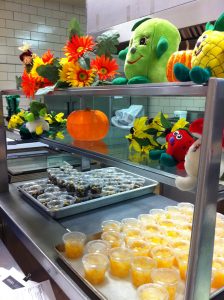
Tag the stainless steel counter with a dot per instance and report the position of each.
(40, 233)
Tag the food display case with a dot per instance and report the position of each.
(117, 155)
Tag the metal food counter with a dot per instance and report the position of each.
(40, 233)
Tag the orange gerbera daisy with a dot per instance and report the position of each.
(78, 46)
(29, 84)
(79, 77)
(47, 57)
(106, 67)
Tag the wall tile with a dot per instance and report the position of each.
(3, 76)
(2, 4)
(6, 50)
(3, 59)
(7, 68)
(13, 6)
(38, 3)
(19, 68)
(45, 29)
(6, 32)
(37, 19)
(52, 22)
(45, 12)
(13, 59)
(38, 36)
(7, 14)
(4, 85)
(21, 17)
(2, 22)
(22, 34)
(29, 9)
(3, 41)
(52, 5)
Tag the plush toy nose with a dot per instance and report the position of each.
(133, 50)
(172, 140)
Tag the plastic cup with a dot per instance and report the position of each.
(138, 247)
(129, 223)
(182, 263)
(131, 233)
(154, 240)
(141, 270)
(151, 228)
(113, 238)
(146, 219)
(219, 232)
(164, 256)
(168, 278)
(111, 225)
(166, 223)
(171, 232)
(157, 213)
(185, 205)
(44, 198)
(74, 244)
(55, 204)
(120, 262)
(95, 266)
(152, 291)
(98, 246)
(218, 273)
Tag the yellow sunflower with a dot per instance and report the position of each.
(79, 77)
(181, 123)
(64, 72)
(36, 63)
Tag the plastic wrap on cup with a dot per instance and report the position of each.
(95, 266)
(138, 247)
(168, 278)
(96, 188)
(44, 198)
(68, 199)
(98, 246)
(164, 256)
(141, 267)
(55, 204)
(182, 263)
(111, 225)
(28, 185)
(74, 244)
(114, 238)
(120, 262)
(109, 190)
(146, 219)
(82, 189)
(131, 233)
(34, 190)
(157, 213)
(152, 291)
(129, 223)
(52, 189)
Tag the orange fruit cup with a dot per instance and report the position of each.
(74, 244)
(120, 262)
(141, 270)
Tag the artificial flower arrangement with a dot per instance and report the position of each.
(162, 139)
(76, 69)
(37, 120)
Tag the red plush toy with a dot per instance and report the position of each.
(179, 142)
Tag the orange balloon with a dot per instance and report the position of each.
(87, 125)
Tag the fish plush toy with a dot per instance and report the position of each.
(150, 46)
(207, 57)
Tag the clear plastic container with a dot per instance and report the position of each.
(81, 189)
(28, 185)
(157, 213)
(138, 247)
(114, 238)
(98, 246)
(182, 263)
(164, 256)
(141, 267)
(44, 198)
(96, 187)
(55, 204)
(95, 266)
(218, 273)
(34, 190)
(132, 233)
(152, 291)
(74, 244)
(168, 278)
(52, 189)
(129, 223)
(120, 262)
(109, 190)
(145, 219)
(68, 199)
(111, 225)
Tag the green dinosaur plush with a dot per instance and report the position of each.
(151, 44)
(207, 57)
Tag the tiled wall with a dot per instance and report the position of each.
(41, 23)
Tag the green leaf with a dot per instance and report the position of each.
(84, 62)
(142, 142)
(62, 84)
(209, 26)
(50, 72)
(74, 28)
(151, 131)
(107, 43)
(165, 123)
(219, 24)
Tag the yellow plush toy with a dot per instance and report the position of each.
(207, 57)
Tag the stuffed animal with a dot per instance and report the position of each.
(192, 159)
(207, 57)
(151, 44)
(178, 143)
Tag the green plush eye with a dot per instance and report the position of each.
(143, 41)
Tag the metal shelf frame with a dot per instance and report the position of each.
(202, 239)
